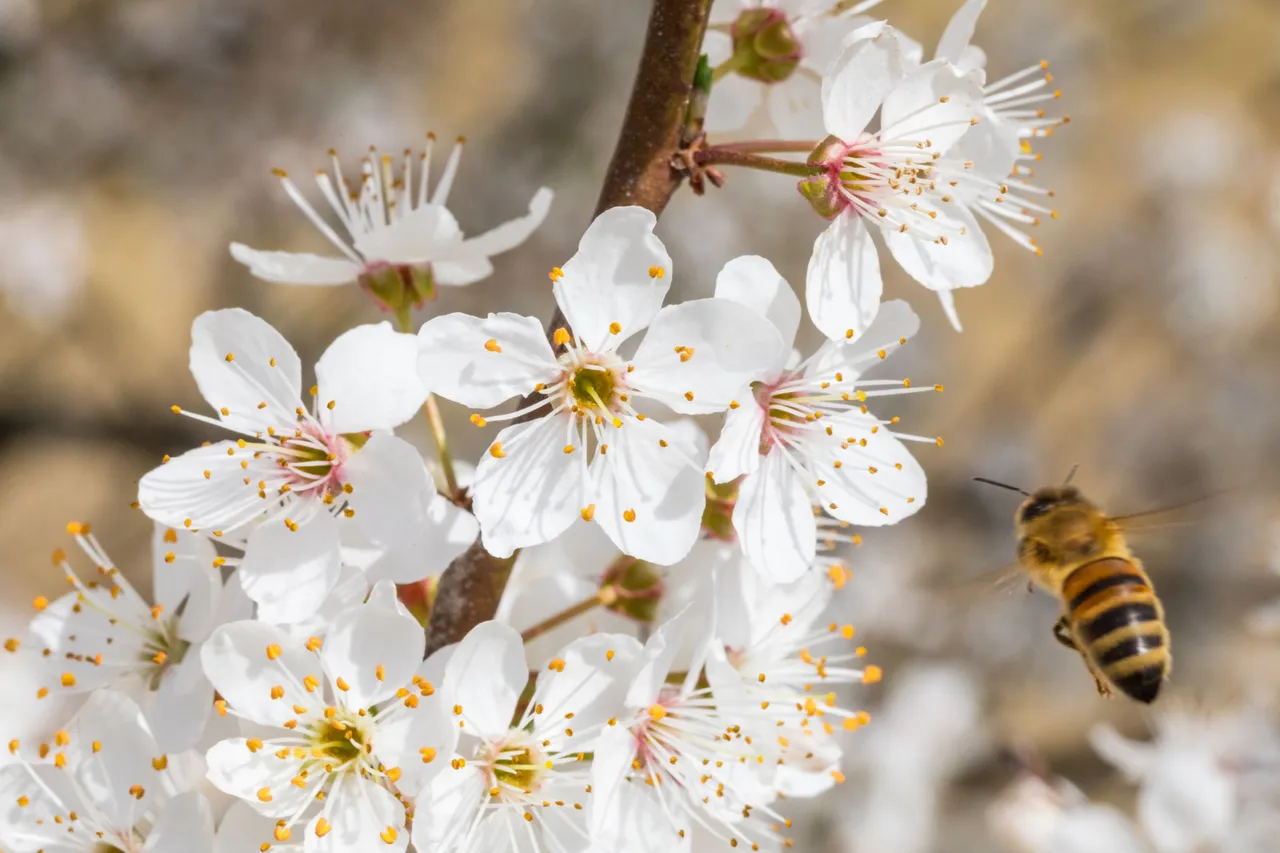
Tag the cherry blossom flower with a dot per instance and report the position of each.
(520, 771)
(104, 634)
(769, 59)
(352, 729)
(989, 166)
(887, 183)
(286, 485)
(403, 240)
(107, 787)
(673, 752)
(772, 653)
(644, 483)
(804, 435)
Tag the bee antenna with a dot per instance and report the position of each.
(1001, 485)
(1070, 475)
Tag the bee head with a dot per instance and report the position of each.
(1043, 501)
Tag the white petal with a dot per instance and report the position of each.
(533, 491)
(825, 38)
(178, 494)
(295, 267)
(965, 261)
(401, 742)
(448, 810)
(390, 487)
(236, 770)
(486, 675)
(185, 825)
(375, 650)
(732, 345)
(461, 269)
(794, 106)
(290, 572)
(654, 663)
(608, 280)
(843, 284)
(859, 80)
(852, 493)
(959, 31)
(753, 281)
(188, 581)
(737, 451)
(610, 793)
(737, 98)
(914, 109)
(948, 300)
(993, 145)
(181, 706)
(655, 484)
(370, 374)
(774, 520)
(123, 755)
(591, 686)
(237, 662)
(415, 238)
(443, 533)
(243, 830)
(894, 323)
(481, 362)
(512, 233)
(250, 377)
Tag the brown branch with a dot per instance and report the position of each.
(640, 173)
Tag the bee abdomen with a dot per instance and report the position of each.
(1118, 620)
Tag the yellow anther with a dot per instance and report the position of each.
(478, 421)
(872, 674)
(264, 795)
(322, 828)
(68, 679)
(629, 515)
(314, 644)
(496, 451)
(657, 712)
(615, 327)
(568, 448)
(40, 602)
(231, 357)
(273, 651)
(428, 754)
(588, 512)
(556, 274)
(561, 337)
(657, 272)
(492, 345)
(254, 744)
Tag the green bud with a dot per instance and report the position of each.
(717, 517)
(399, 287)
(638, 587)
(764, 46)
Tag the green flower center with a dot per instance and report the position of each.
(593, 387)
(338, 740)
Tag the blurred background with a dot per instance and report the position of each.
(136, 141)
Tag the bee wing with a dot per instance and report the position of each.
(1175, 515)
(1003, 579)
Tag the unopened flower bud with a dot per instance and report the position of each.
(717, 517)
(399, 287)
(638, 587)
(764, 46)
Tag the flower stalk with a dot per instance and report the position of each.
(640, 173)
(605, 597)
(722, 156)
(404, 322)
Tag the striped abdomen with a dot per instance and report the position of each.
(1119, 623)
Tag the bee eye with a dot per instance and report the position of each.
(1035, 509)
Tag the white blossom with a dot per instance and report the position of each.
(105, 634)
(804, 435)
(770, 58)
(399, 233)
(888, 183)
(643, 484)
(285, 487)
(350, 716)
(106, 787)
(521, 768)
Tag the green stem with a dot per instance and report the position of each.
(756, 146)
(606, 596)
(719, 156)
(730, 65)
(404, 322)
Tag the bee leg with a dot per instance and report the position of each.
(1062, 633)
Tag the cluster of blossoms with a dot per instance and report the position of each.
(660, 668)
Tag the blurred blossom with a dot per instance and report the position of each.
(1195, 774)
(929, 726)
(42, 256)
(1038, 815)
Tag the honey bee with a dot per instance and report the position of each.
(1110, 612)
